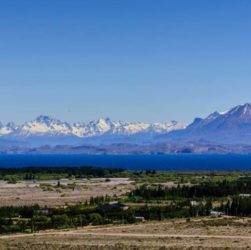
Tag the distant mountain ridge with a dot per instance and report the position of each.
(218, 132)
(230, 127)
(47, 130)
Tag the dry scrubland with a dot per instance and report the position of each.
(70, 191)
(200, 233)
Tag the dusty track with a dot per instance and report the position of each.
(201, 233)
(96, 232)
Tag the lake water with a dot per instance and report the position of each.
(133, 162)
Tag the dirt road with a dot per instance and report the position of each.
(96, 232)
(201, 233)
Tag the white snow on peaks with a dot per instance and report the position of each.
(224, 112)
(130, 128)
(240, 111)
(167, 127)
(7, 129)
(213, 116)
(45, 125)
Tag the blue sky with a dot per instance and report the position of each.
(135, 60)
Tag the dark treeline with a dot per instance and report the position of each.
(99, 210)
(238, 206)
(31, 172)
(175, 210)
(208, 189)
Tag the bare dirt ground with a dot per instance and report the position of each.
(202, 233)
(70, 191)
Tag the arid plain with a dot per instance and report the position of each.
(199, 233)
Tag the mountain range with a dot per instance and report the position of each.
(45, 130)
(217, 132)
(229, 127)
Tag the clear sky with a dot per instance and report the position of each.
(135, 60)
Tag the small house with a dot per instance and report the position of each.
(194, 203)
(244, 195)
(216, 213)
(140, 219)
(43, 211)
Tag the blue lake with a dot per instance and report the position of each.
(133, 162)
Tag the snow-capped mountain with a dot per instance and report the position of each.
(44, 125)
(236, 118)
(45, 130)
(231, 127)
(7, 129)
(95, 128)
